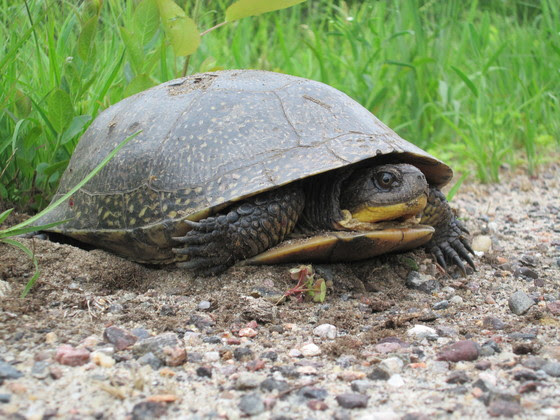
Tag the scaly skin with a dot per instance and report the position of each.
(450, 239)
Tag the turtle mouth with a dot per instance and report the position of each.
(383, 213)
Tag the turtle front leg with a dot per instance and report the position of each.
(450, 240)
(247, 229)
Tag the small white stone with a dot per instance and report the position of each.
(212, 356)
(421, 331)
(310, 350)
(294, 353)
(456, 300)
(102, 359)
(392, 364)
(481, 243)
(192, 338)
(325, 331)
(380, 415)
(488, 378)
(395, 381)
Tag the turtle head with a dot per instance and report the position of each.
(384, 192)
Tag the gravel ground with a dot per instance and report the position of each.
(396, 338)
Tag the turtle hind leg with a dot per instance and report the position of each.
(450, 241)
(247, 229)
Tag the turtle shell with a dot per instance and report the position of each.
(208, 140)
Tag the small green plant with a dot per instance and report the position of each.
(7, 234)
(308, 285)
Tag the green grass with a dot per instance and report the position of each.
(475, 83)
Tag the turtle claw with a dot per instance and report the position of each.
(452, 245)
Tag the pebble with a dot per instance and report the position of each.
(204, 305)
(361, 385)
(392, 364)
(211, 356)
(317, 405)
(174, 356)
(552, 369)
(506, 408)
(525, 272)
(379, 374)
(248, 380)
(156, 345)
(247, 332)
(146, 410)
(457, 377)
(395, 381)
(243, 354)
(119, 337)
(70, 356)
(313, 393)
(554, 307)
(310, 350)
(352, 400)
(271, 384)
(524, 375)
(5, 398)
(443, 304)
(204, 371)
(422, 282)
(493, 323)
(7, 371)
(102, 359)
(140, 333)
(533, 362)
(456, 300)
(151, 360)
(422, 331)
(270, 355)
(325, 331)
(460, 351)
(519, 302)
(387, 347)
(40, 370)
(481, 243)
(251, 404)
(50, 337)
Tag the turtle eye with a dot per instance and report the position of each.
(385, 180)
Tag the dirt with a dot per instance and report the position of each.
(80, 293)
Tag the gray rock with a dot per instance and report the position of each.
(457, 377)
(524, 375)
(248, 380)
(147, 410)
(552, 369)
(204, 305)
(243, 354)
(40, 370)
(119, 337)
(379, 374)
(141, 333)
(271, 384)
(444, 304)
(361, 385)
(351, 400)
(5, 398)
(505, 408)
(421, 282)
(156, 345)
(533, 362)
(313, 393)
(150, 359)
(251, 404)
(204, 371)
(519, 302)
(7, 371)
(493, 323)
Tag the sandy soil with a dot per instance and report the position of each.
(81, 293)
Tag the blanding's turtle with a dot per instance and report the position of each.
(258, 166)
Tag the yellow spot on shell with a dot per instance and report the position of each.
(172, 214)
(142, 212)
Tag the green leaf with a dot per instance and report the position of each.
(467, 81)
(244, 8)
(138, 84)
(5, 215)
(180, 29)
(134, 49)
(456, 187)
(76, 126)
(146, 20)
(86, 44)
(60, 110)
